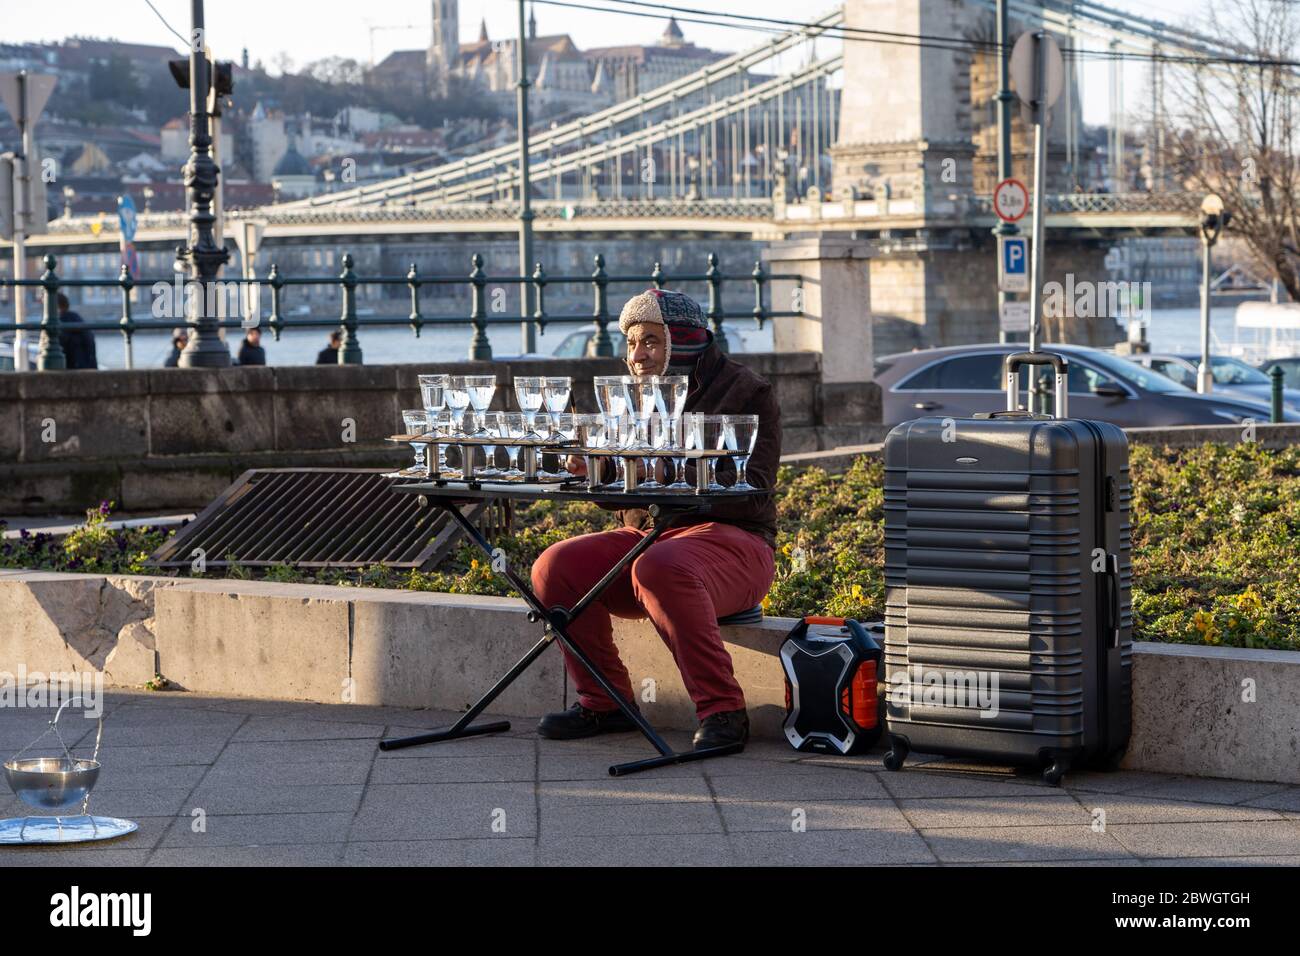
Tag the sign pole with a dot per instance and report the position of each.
(1040, 162)
(1005, 99)
(21, 219)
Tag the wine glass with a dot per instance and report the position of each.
(612, 397)
(529, 394)
(441, 425)
(659, 437)
(741, 434)
(416, 422)
(513, 425)
(492, 427)
(481, 389)
(677, 438)
(555, 394)
(591, 430)
(431, 392)
(672, 395)
(642, 389)
(457, 397)
(709, 435)
(619, 431)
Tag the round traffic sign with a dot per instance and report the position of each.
(1010, 200)
(1023, 68)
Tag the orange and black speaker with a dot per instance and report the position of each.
(831, 671)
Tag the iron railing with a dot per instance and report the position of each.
(50, 355)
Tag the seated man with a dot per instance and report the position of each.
(706, 567)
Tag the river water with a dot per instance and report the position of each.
(1170, 330)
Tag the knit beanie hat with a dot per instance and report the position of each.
(688, 334)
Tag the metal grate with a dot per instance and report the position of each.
(322, 518)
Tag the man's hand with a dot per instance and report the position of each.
(575, 465)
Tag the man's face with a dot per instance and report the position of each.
(647, 348)
(254, 336)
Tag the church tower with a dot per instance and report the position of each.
(444, 46)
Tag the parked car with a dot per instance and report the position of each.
(961, 380)
(1290, 370)
(578, 344)
(1231, 376)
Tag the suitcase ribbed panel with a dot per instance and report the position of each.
(988, 578)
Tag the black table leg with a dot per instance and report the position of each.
(557, 620)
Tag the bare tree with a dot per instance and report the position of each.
(1232, 129)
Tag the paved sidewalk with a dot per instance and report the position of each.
(287, 783)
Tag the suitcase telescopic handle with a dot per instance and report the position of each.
(1011, 374)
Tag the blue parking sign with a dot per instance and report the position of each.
(1013, 263)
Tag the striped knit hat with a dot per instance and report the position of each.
(688, 335)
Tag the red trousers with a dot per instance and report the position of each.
(683, 582)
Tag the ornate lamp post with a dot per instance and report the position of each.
(1213, 220)
(205, 258)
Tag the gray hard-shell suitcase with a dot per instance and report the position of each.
(1008, 627)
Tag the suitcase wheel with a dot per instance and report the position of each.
(1055, 771)
(897, 754)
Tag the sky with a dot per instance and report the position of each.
(313, 29)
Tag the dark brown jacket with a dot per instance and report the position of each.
(722, 386)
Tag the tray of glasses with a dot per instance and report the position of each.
(495, 441)
(691, 453)
(577, 490)
(455, 477)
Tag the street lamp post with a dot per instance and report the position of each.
(204, 257)
(527, 335)
(1004, 100)
(1213, 219)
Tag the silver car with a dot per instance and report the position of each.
(961, 380)
(1231, 376)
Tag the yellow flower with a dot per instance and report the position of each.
(473, 564)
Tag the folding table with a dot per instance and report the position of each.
(665, 508)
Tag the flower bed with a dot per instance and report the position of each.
(1216, 546)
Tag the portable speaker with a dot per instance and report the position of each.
(831, 668)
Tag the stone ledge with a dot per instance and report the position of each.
(373, 646)
(1195, 719)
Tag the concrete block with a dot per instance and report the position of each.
(11, 421)
(78, 622)
(849, 403)
(49, 488)
(75, 428)
(753, 654)
(1189, 715)
(228, 412)
(255, 639)
(797, 398)
(309, 419)
(424, 649)
(176, 483)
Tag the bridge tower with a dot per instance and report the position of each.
(918, 135)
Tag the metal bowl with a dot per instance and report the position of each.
(51, 783)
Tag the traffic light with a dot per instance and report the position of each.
(221, 75)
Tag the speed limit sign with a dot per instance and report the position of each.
(1010, 200)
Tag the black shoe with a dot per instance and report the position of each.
(718, 730)
(579, 721)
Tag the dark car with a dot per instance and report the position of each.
(964, 379)
(1290, 370)
(1231, 376)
